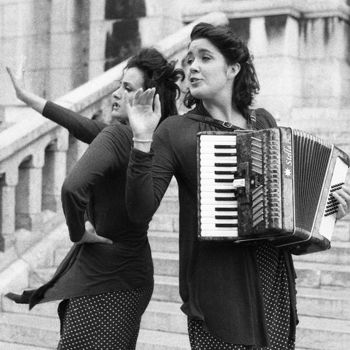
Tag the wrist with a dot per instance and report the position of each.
(142, 140)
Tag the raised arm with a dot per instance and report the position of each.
(84, 129)
(149, 171)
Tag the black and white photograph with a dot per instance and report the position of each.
(174, 174)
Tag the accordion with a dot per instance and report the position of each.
(273, 184)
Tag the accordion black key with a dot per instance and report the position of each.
(273, 184)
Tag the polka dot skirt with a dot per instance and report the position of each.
(107, 321)
(274, 283)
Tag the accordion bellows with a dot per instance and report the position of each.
(273, 184)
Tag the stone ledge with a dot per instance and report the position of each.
(245, 9)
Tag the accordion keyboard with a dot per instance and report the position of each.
(218, 159)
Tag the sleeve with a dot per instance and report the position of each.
(84, 129)
(107, 152)
(264, 119)
(148, 177)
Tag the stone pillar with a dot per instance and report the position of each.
(118, 29)
(54, 172)
(7, 209)
(69, 45)
(275, 45)
(29, 193)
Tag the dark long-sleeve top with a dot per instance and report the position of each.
(96, 185)
(82, 128)
(219, 281)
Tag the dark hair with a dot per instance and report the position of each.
(234, 50)
(162, 75)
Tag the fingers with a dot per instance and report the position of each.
(9, 71)
(343, 198)
(90, 236)
(143, 97)
(157, 108)
(104, 240)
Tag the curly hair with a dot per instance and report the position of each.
(161, 74)
(234, 50)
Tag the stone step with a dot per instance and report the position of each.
(165, 223)
(44, 310)
(324, 302)
(323, 333)
(164, 316)
(169, 205)
(29, 329)
(157, 340)
(317, 275)
(339, 253)
(16, 346)
(342, 231)
(166, 288)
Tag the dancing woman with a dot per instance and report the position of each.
(107, 285)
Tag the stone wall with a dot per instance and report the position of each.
(68, 42)
(301, 49)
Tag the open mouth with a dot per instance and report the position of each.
(194, 80)
(115, 105)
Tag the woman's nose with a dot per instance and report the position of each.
(117, 93)
(194, 67)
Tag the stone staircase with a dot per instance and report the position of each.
(323, 295)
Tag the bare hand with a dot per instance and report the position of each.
(91, 236)
(143, 118)
(18, 80)
(343, 198)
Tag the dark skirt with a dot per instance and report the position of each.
(277, 307)
(105, 321)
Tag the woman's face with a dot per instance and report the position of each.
(209, 74)
(132, 81)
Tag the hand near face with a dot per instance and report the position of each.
(143, 117)
(91, 236)
(343, 197)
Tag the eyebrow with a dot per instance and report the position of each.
(200, 51)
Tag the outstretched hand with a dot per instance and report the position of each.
(18, 80)
(144, 113)
(91, 236)
(343, 198)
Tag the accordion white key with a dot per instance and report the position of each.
(273, 184)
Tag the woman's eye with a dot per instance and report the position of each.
(205, 58)
(189, 60)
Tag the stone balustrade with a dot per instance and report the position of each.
(36, 154)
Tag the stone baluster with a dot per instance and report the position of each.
(54, 172)
(29, 193)
(8, 184)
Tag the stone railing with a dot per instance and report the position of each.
(36, 154)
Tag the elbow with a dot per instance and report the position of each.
(67, 190)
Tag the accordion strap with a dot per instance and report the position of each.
(223, 125)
